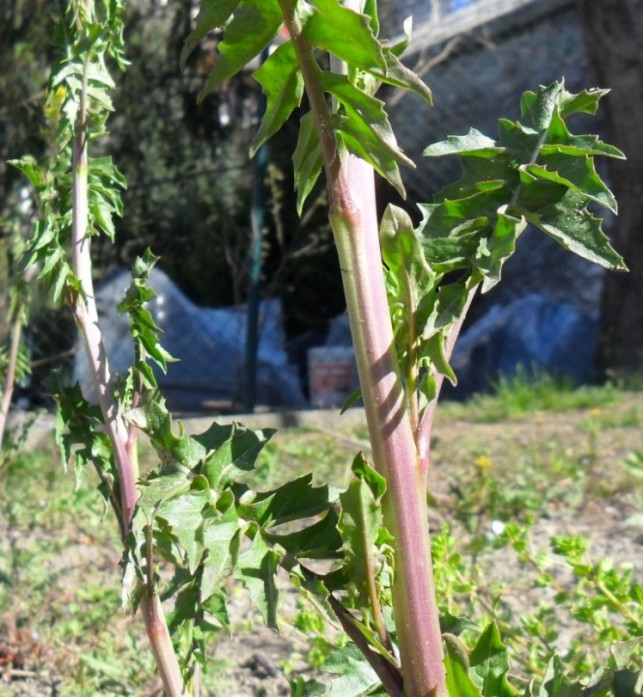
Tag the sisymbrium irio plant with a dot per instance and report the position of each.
(407, 292)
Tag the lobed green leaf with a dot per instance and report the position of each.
(283, 86)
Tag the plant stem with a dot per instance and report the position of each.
(394, 453)
(10, 377)
(425, 427)
(86, 316)
(162, 648)
(353, 219)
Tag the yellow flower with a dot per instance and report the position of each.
(483, 463)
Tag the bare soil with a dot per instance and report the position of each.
(605, 506)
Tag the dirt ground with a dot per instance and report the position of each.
(254, 662)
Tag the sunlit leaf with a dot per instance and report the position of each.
(351, 674)
(570, 223)
(490, 664)
(212, 15)
(256, 569)
(232, 450)
(283, 86)
(329, 25)
(456, 665)
(253, 26)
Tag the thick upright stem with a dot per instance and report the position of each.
(354, 221)
(392, 439)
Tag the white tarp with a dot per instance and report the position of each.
(209, 343)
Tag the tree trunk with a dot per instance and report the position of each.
(614, 35)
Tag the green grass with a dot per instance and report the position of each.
(60, 581)
(523, 394)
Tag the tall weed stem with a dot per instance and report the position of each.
(86, 316)
(353, 218)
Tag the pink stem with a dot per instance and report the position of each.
(394, 452)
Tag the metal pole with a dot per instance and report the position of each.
(257, 220)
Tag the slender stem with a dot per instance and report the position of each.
(86, 316)
(10, 377)
(623, 609)
(162, 648)
(412, 372)
(425, 427)
(123, 442)
(386, 672)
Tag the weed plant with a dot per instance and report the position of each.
(192, 528)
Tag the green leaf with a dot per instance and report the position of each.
(283, 86)
(576, 173)
(256, 569)
(217, 607)
(537, 109)
(570, 223)
(307, 159)
(292, 501)
(361, 141)
(498, 247)
(403, 253)
(212, 14)
(585, 102)
(184, 514)
(321, 540)
(175, 451)
(473, 144)
(351, 674)
(490, 664)
(352, 399)
(329, 26)
(453, 218)
(434, 350)
(365, 109)
(456, 665)
(359, 525)
(557, 684)
(536, 170)
(398, 75)
(31, 169)
(219, 535)
(232, 451)
(253, 26)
